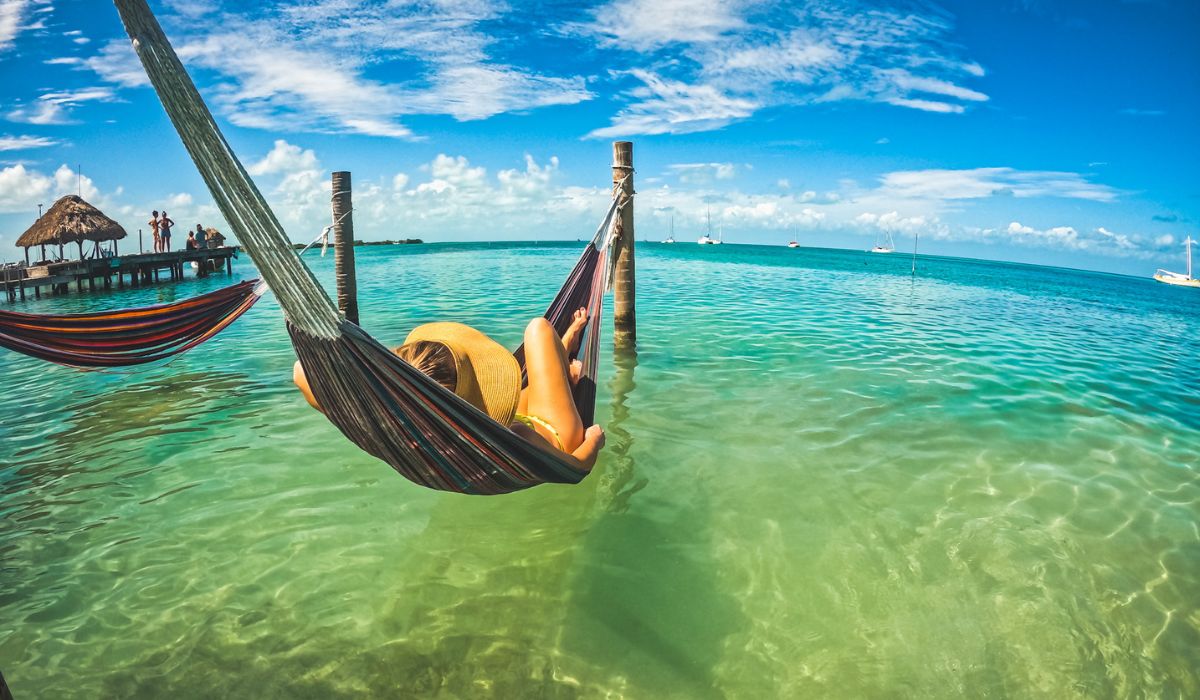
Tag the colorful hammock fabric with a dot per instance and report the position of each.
(126, 337)
(400, 415)
(383, 405)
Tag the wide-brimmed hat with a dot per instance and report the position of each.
(489, 377)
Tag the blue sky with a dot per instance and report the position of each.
(1050, 132)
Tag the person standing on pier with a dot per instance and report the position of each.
(164, 231)
(154, 229)
(201, 237)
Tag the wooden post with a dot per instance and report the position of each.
(140, 249)
(624, 319)
(343, 247)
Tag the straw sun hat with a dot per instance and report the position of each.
(488, 375)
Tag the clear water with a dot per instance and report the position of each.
(824, 479)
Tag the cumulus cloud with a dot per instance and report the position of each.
(22, 189)
(282, 158)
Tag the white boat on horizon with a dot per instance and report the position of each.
(1177, 278)
(707, 238)
(795, 242)
(888, 246)
(671, 235)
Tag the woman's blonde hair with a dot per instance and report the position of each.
(432, 358)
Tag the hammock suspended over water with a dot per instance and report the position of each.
(385, 406)
(126, 337)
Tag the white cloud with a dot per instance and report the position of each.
(1119, 240)
(20, 143)
(179, 200)
(1164, 241)
(69, 181)
(55, 107)
(21, 189)
(115, 63)
(926, 105)
(670, 106)
(763, 54)
(974, 183)
(12, 14)
(645, 25)
(284, 157)
(1100, 241)
(703, 172)
(304, 67)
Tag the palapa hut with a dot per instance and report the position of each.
(70, 220)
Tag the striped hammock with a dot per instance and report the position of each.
(386, 407)
(126, 337)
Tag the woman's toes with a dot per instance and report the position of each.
(576, 371)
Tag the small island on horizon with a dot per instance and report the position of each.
(358, 242)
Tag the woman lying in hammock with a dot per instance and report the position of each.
(480, 370)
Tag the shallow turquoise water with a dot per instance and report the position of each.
(824, 479)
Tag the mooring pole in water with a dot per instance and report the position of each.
(624, 320)
(343, 247)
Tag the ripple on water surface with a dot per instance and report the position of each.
(823, 478)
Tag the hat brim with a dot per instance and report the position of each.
(489, 377)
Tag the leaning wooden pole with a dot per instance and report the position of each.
(343, 247)
(624, 288)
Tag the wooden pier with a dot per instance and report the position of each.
(141, 269)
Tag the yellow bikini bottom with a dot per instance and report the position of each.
(536, 422)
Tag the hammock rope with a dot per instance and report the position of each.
(385, 406)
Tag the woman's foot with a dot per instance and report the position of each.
(573, 338)
(575, 371)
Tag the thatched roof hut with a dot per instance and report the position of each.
(71, 220)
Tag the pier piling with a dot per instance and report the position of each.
(343, 247)
(624, 318)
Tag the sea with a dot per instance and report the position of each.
(827, 476)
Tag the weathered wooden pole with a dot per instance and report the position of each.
(343, 247)
(624, 321)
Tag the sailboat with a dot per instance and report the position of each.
(720, 235)
(707, 238)
(1168, 277)
(671, 236)
(795, 242)
(888, 246)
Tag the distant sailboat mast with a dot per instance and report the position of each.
(1188, 245)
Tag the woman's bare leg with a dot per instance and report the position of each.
(548, 395)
